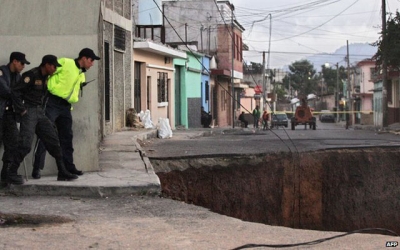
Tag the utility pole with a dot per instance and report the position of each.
(269, 54)
(337, 92)
(274, 90)
(209, 39)
(349, 91)
(232, 70)
(201, 38)
(186, 30)
(384, 68)
(264, 88)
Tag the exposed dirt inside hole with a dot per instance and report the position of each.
(29, 220)
(339, 190)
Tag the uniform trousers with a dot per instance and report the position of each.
(34, 121)
(10, 135)
(59, 112)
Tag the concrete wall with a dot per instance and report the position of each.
(190, 99)
(198, 29)
(39, 27)
(247, 101)
(223, 99)
(366, 86)
(117, 13)
(366, 103)
(225, 51)
(191, 105)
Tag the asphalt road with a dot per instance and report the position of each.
(214, 142)
(152, 223)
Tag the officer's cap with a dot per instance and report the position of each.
(50, 59)
(20, 57)
(86, 52)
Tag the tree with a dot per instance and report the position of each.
(390, 48)
(302, 78)
(280, 90)
(330, 77)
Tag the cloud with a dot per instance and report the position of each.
(301, 29)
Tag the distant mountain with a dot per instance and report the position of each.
(357, 52)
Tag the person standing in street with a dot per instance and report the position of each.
(256, 116)
(28, 96)
(10, 74)
(265, 118)
(63, 90)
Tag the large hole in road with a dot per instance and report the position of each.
(333, 190)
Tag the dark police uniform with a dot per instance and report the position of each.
(28, 95)
(8, 124)
(64, 87)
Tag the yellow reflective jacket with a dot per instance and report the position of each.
(66, 81)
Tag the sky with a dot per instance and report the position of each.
(303, 28)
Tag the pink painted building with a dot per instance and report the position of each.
(363, 91)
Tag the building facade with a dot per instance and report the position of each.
(102, 25)
(154, 79)
(218, 35)
(189, 88)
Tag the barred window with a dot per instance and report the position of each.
(162, 87)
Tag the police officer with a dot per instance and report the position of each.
(64, 86)
(9, 76)
(28, 96)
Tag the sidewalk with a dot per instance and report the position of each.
(123, 170)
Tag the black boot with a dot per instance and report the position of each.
(36, 173)
(13, 177)
(75, 171)
(63, 174)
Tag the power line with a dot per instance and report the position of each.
(318, 25)
(305, 53)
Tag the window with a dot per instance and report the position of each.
(373, 74)
(153, 32)
(162, 87)
(237, 96)
(119, 38)
(207, 90)
(237, 45)
(238, 51)
(107, 80)
(241, 49)
(389, 92)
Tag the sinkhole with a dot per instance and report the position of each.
(332, 190)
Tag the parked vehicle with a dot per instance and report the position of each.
(322, 112)
(279, 119)
(327, 118)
